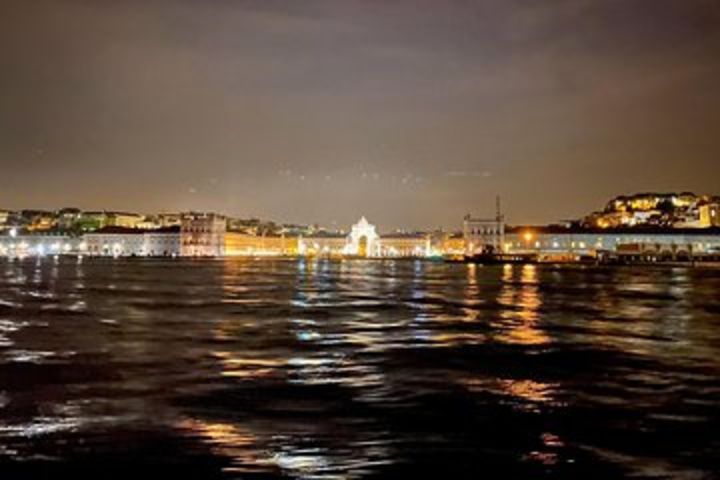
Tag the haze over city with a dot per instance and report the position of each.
(410, 112)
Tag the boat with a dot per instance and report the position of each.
(501, 258)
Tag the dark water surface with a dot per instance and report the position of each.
(357, 369)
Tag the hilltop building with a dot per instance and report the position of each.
(710, 215)
(669, 210)
(5, 216)
(95, 220)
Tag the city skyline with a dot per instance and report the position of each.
(661, 211)
(323, 111)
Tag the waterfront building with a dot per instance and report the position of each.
(550, 241)
(202, 234)
(114, 242)
(324, 244)
(363, 240)
(243, 244)
(132, 242)
(40, 244)
(405, 245)
(453, 244)
(162, 242)
(484, 235)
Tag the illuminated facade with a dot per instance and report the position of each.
(652, 201)
(590, 243)
(36, 245)
(38, 220)
(710, 215)
(453, 245)
(202, 235)
(115, 242)
(243, 244)
(129, 242)
(96, 220)
(123, 219)
(169, 219)
(407, 245)
(162, 243)
(67, 218)
(671, 210)
(331, 245)
(363, 240)
(483, 235)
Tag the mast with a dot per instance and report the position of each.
(499, 226)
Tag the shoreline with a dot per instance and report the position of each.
(203, 259)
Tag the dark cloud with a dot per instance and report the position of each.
(199, 104)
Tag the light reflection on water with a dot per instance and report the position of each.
(353, 369)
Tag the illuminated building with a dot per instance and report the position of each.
(95, 220)
(67, 218)
(202, 235)
(5, 219)
(115, 242)
(17, 245)
(677, 210)
(162, 242)
(549, 241)
(243, 244)
(124, 219)
(405, 245)
(169, 219)
(651, 201)
(89, 221)
(123, 242)
(38, 220)
(453, 244)
(484, 235)
(363, 240)
(710, 215)
(323, 244)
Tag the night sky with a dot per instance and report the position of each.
(411, 112)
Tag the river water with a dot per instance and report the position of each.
(265, 369)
